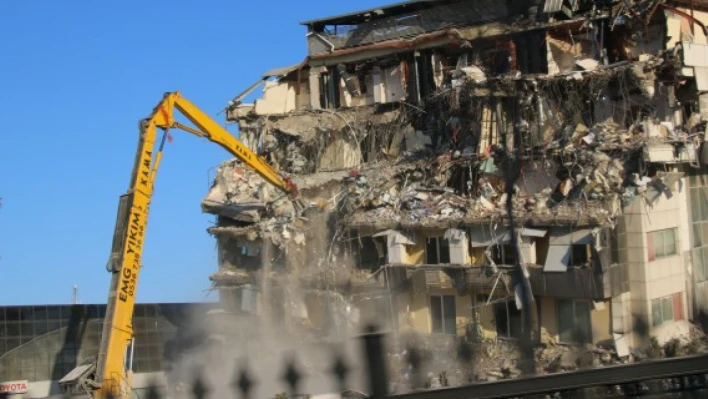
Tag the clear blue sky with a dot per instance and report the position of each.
(75, 79)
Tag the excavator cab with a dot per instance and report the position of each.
(80, 381)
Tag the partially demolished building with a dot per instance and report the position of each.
(400, 127)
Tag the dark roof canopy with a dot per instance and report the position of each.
(357, 17)
(696, 4)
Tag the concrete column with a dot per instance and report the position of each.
(379, 96)
(620, 310)
(527, 249)
(703, 104)
(396, 252)
(459, 246)
(266, 264)
(396, 245)
(315, 87)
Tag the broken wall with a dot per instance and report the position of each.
(565, 53)
(680, 29)
(650, 41)
(278, 98)
(306, 142)
(361, 87)
(600, 320)
(400, 26)
(485, 318)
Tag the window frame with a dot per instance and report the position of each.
(586, 257)
(500, 252)
(698, 197)
(700, 263)
(441, 303)
(654, 236)
(673, 302)
(509, 310)
(438, 241)
(575, 319)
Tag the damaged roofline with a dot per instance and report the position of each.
(275, 72)
(587, 221)
(366, 15)
(687, 16)
(449, 36)
(452, 36)
(698, 5)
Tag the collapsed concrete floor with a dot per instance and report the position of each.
(429, 175)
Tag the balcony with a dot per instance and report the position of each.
(577, 282)
(461, 277)
(580, 282)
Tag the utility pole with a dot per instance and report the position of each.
(522, 289)
(75, 295)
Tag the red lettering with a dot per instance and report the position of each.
(13, 387)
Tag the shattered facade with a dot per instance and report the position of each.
(401, 127)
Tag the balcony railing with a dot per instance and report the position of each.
(581, 282)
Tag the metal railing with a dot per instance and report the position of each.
(681, 376)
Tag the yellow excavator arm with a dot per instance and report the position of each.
(110, 375)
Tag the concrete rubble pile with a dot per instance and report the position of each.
(493, 360)
(318, 140)
(419, 177)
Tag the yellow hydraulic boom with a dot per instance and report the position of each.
(111, 375)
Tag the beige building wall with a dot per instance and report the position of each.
(419, 304)
(660, 277)
(416, 252)
(548, 318)
(621, 312)
(485, 317)
(600, 320)
(414, 306)
(314, 85)
(477, 256)
(302, 101)
(679, 28)
(278, 98)
(348, 100)
(649, 279)
(463, 308)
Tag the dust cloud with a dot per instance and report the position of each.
(232, 343)
(304, 313)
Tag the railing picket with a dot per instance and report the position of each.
(292, 377)
(243, 383)
(153, 392)
(199, 388)
(340, 371)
